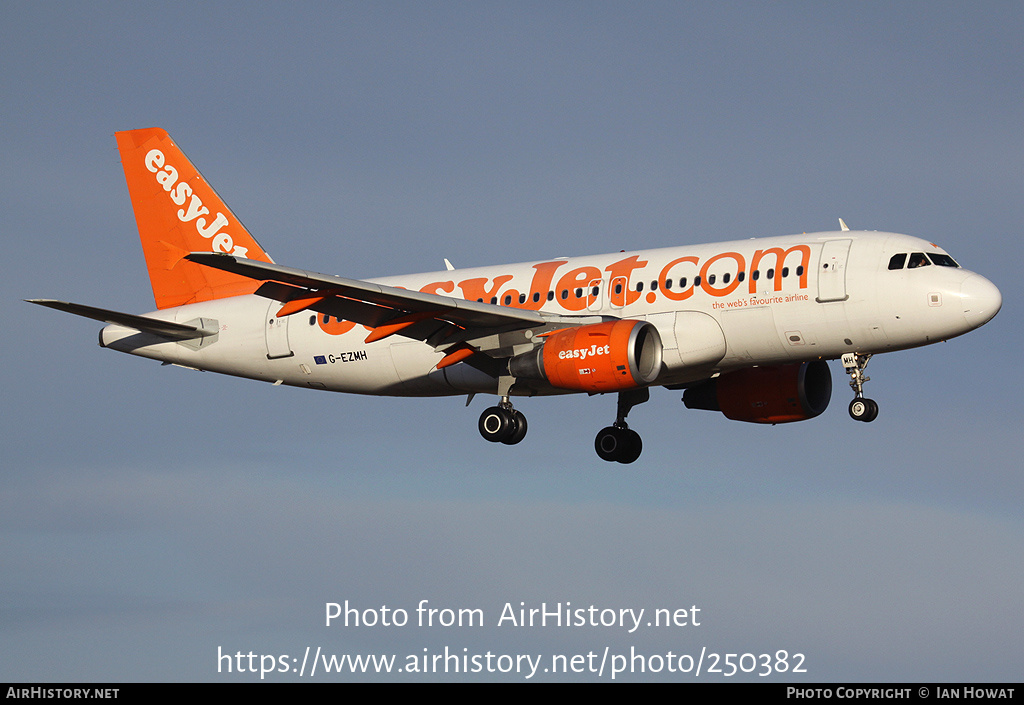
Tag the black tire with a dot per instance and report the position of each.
(608, 443)
(519, 429)
(873, 412)
(496, 424)
(632, 446)
(865, 410)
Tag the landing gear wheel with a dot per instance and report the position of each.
(498, 424)
(631, 448)
(519, 429)
(616, 444)
(608, 443)
(863, 409)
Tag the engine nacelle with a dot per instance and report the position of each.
(601, 357)
(766, 394)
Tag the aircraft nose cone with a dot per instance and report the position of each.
(981, 300)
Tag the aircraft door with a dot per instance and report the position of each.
(832, 271)
(277, 333)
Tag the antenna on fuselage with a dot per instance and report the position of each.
(843, 225)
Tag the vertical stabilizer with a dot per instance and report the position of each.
(178, 212)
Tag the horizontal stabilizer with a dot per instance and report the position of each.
(165, 329)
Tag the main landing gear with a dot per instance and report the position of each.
(618, 442)
(861, 408)
(503, 424)
(615, 443)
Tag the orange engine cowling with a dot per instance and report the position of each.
(766, 394)
(601, 357)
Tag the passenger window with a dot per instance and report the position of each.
(898, 261)
(711, 279)
(726, 277)
(917, 259)
(668, 283)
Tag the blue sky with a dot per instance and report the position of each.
(150, 515)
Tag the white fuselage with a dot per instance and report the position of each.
(717, 307)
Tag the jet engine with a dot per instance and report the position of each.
(766, 394)
(601, 357)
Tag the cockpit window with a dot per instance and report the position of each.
(920, 259)
(942, 260)
(917, 259)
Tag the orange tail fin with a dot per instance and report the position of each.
(178, 212)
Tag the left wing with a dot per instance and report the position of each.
(447, 323)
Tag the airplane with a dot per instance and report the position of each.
(744, 328)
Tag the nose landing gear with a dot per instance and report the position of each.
(861, 408)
